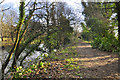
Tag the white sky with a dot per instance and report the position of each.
(74, 4)
(16, 2)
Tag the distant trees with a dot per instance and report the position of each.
(96, 23)
(10, 20)
(8, 24)
(2, 14)
(100, 25)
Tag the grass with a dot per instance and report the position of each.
(86, 41)
(68, 52)
(7, 43)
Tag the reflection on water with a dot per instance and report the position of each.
(32, 57)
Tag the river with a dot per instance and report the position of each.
(32, 58)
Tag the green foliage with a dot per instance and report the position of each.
(18, 68)
(96, 42)
(59, 35)
(108, 43)
(41, 64)
(71, 64)
(100, 26)
(94, 28)
(24, 73)
(97, 26)
(86, 35)
(51, 41)
(68, 60)
(22, 12)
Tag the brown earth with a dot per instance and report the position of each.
(95, 63)
(91, 63)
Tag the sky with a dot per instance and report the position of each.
(11, 3)
(74, 4)
(14, 4)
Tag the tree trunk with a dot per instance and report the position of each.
(119, 25)
(17, 54)
(118, 18)
(36, 46)
(1, 37)
(4, 65)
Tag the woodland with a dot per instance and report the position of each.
(51, 30)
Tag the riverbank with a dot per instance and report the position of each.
(76, 61)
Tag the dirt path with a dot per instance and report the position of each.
(95, 63)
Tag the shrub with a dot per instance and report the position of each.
(96, 43)
(108, 43)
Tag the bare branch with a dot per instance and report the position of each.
(5, 9)
(27, 4)
(2, 1)
(40, 8)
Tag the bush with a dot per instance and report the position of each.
(96, 43)
(85, 35)
(108, 43)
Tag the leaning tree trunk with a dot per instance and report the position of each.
(21, 19)
(17, 53)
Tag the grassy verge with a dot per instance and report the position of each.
(58, 65)
(86, 41)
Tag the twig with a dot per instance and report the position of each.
(2, 1)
